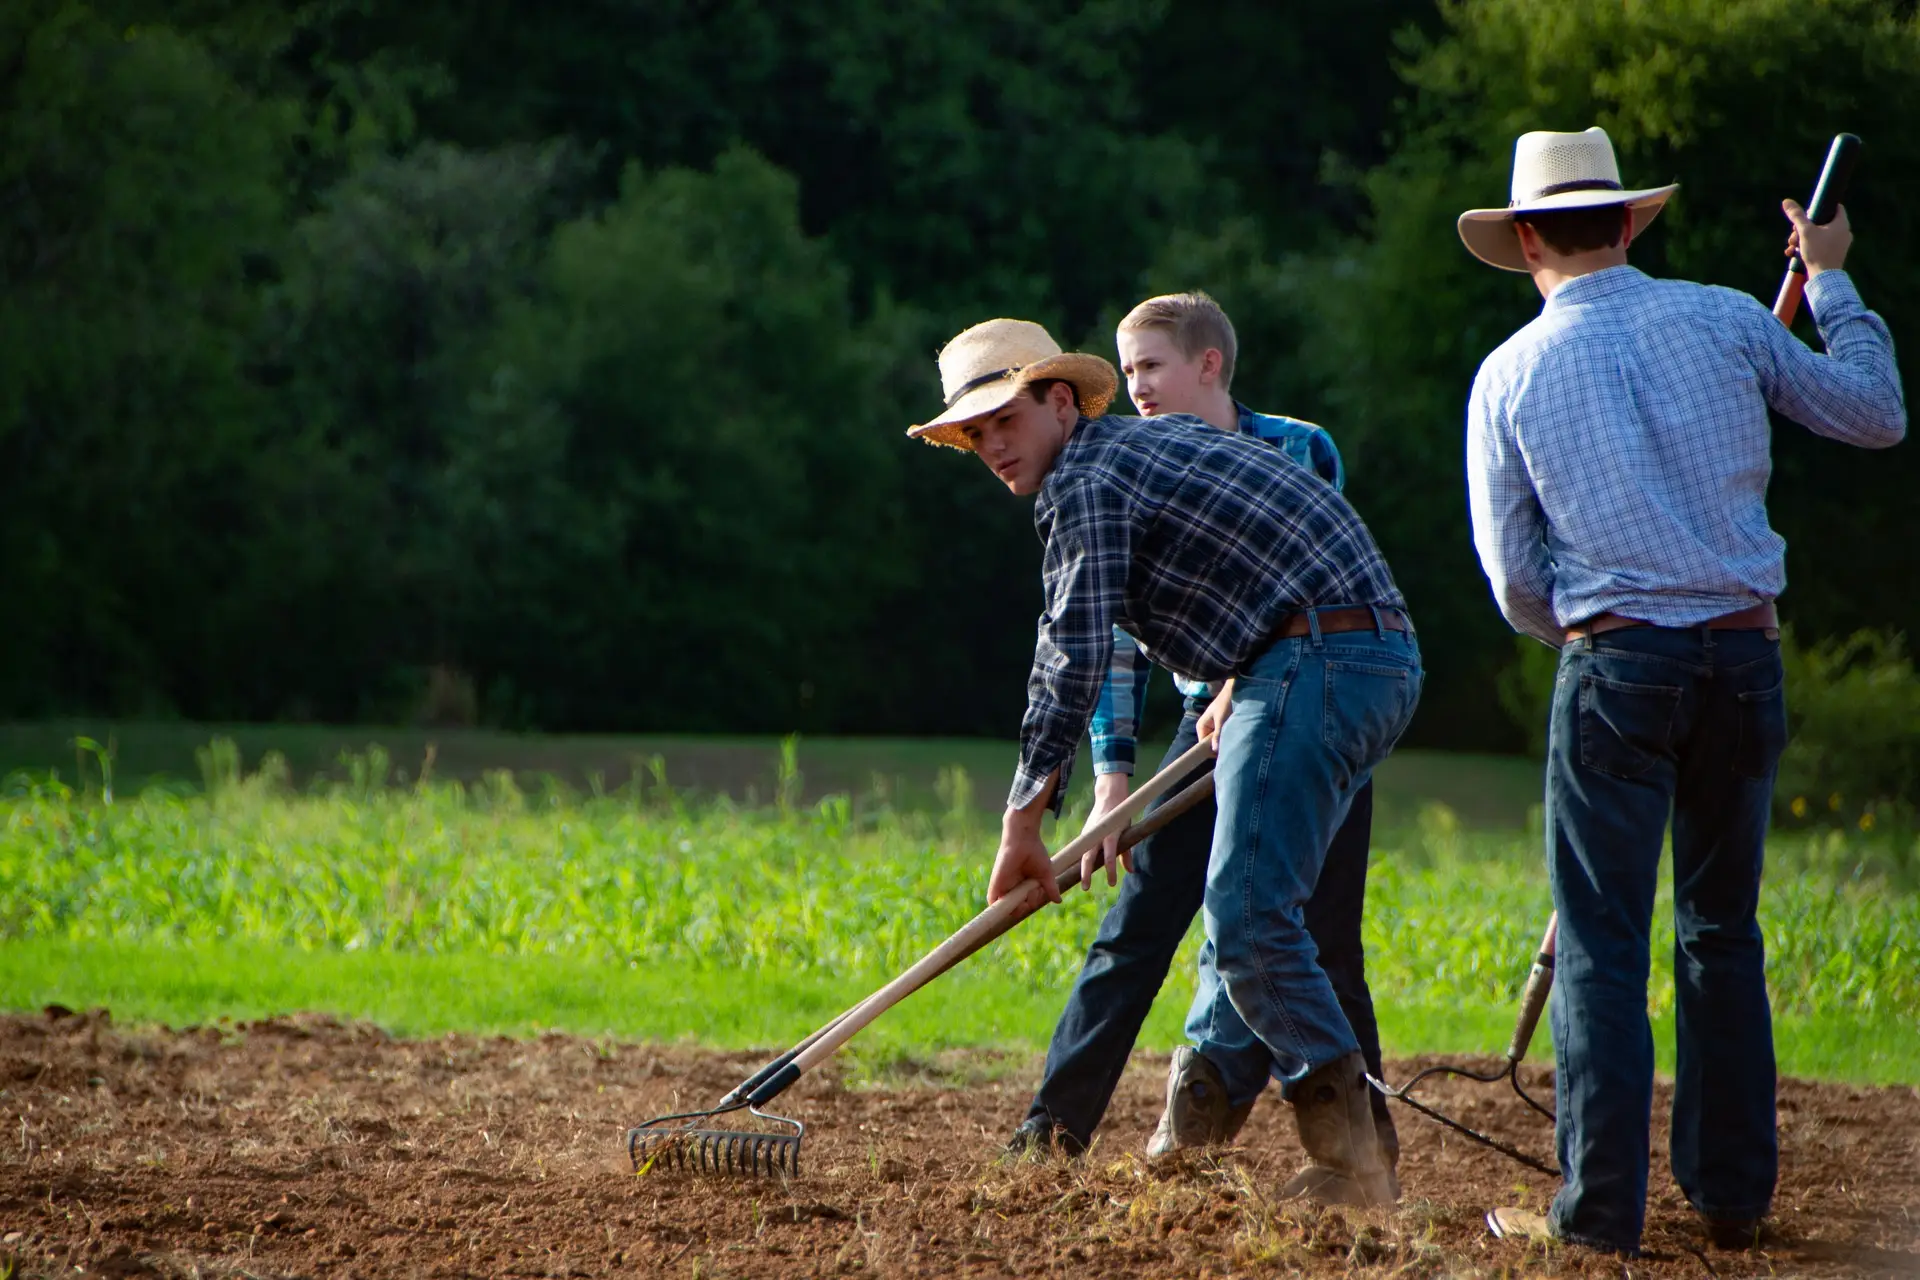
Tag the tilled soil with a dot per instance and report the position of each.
(303, 1147)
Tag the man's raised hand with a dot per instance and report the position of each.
(1821, 247)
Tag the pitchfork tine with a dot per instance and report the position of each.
(1533, 1000)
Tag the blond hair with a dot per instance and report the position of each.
(1194, 322)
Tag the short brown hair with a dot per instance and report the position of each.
(1041, 388)
(1571, 231)
(1194, 322)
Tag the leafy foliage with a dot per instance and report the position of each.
(138, 178)
(1853, 755)
(362, 360)
(841, 887)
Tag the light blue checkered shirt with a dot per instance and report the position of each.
(1618, 446)
(1116, 714)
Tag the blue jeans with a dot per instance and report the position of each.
(1646, 722)
(1141, 932)
(1311, 718)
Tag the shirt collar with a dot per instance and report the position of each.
(1246, 418)
(1070, 449)
(1593, 286)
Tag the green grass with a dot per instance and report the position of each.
(641, 913)
(907, 773)
(429, 995)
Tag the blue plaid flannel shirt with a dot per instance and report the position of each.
(1116, 715)
(1193, 540)
(1618, 446)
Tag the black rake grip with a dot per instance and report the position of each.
(1842, 156)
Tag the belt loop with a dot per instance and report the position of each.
(1313, 626)
(1379, 623)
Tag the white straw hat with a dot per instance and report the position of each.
(986, 366)
(1556, 171)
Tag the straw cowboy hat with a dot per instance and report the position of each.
(984, 368)
(1556, 171)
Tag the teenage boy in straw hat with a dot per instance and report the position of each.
(1222, 559)
(1178, 353)
(1617, 463)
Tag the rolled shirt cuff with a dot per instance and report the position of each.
(1114, 755)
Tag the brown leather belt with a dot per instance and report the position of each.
(1759, 617)
(1296, 624)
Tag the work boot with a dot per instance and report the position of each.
(1525, 1225)
(1335, 1119)
(1197, 1113)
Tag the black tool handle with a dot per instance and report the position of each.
(1842, 156)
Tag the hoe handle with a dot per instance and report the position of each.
(1187, 797)
(1533, 998)
(979, 931)
(1827, 194)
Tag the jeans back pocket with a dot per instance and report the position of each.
(1368, 705)
(1762, 731)
(1625, 729)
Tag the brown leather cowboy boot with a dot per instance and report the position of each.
(1335, 1120)
(1197, 1113)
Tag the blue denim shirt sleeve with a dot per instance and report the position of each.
(1304, 443)
(1116, 715)
(1326, 461)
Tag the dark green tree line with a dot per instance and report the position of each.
(559, 356)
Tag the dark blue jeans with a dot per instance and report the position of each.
(1650, 722)
(1144, 927)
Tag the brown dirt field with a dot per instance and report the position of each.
(302, 1147)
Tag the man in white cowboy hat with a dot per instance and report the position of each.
(1617, 463)
(1223, 559)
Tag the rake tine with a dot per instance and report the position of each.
(702, 1150)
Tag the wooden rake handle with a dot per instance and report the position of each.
(979, 931)
(1188, 796)
(1533, 998)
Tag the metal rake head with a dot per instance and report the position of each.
(696, 1149)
